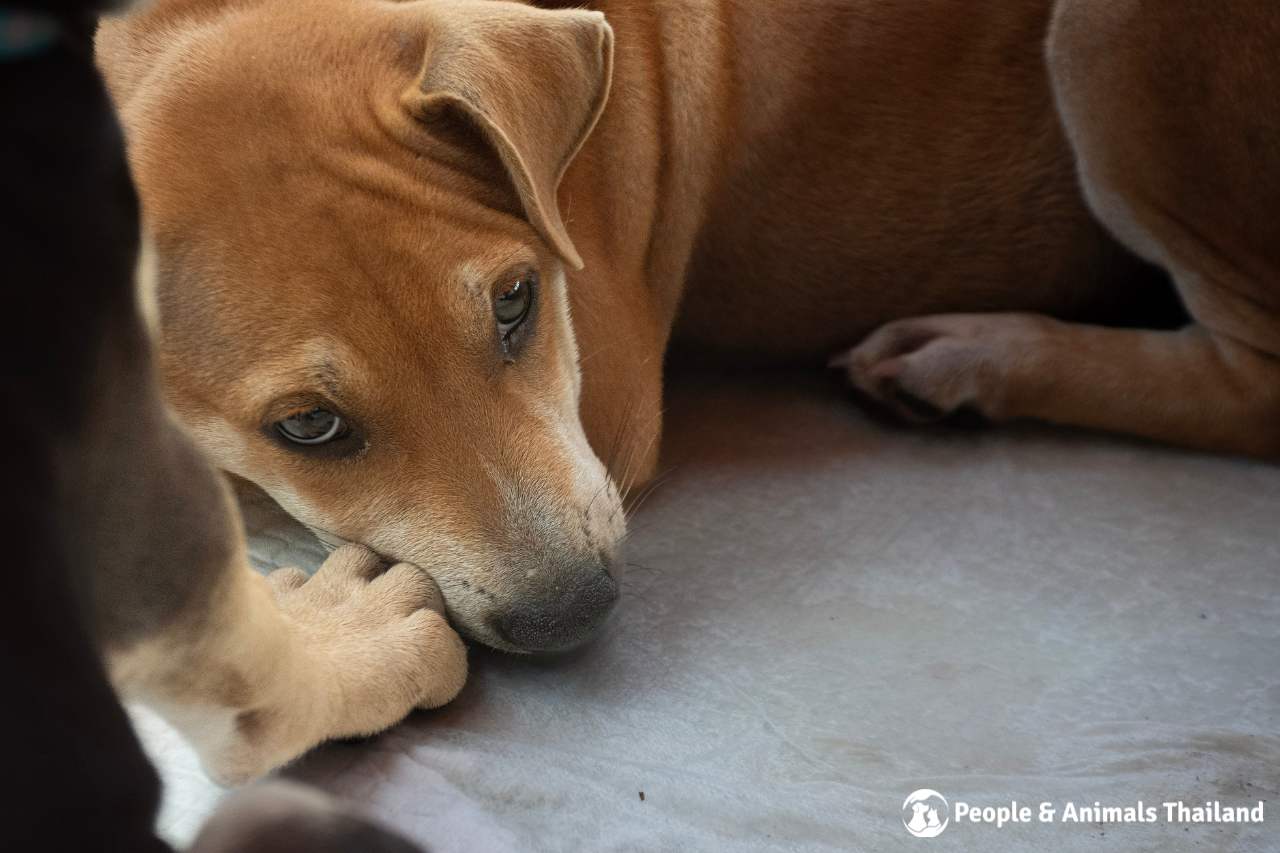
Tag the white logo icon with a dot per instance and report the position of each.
(925, 813)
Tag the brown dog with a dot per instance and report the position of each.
(417, 261)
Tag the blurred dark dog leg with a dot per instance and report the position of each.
(286, 817)
(68, 236)
(73, 348)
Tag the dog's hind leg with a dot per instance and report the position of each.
(1173, 110)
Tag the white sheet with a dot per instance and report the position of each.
(827, 614)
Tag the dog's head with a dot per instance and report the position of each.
(361, 271)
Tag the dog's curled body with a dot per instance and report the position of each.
(821, 171)
(342, 192)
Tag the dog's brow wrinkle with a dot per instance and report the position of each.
(477, 274)
(472, 278)
(327, 378)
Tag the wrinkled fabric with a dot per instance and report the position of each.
(823, 613)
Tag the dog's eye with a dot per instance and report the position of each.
(511, 308)
(314, 426)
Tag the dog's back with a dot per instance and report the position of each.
(863, 145)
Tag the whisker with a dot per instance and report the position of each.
(328, 540)
(648, 491)
(628, 482)
(617, 436)
(637, 595)
(610, 457)
(651, 570)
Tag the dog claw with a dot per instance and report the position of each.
(917, 409)
(841, 361)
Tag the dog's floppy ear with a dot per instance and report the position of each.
(532, 81)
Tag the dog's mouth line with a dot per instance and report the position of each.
(475, 624)
(328, 540)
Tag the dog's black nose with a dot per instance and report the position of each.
(567, 615)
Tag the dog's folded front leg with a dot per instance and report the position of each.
(278, 664)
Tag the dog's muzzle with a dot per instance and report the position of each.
(572, 609)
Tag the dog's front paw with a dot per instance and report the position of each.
(354, 649)
(926, 368)
(380, 632)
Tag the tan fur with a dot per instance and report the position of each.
(1172, 111)
(336, 189)
(278, 665)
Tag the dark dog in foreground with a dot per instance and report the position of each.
(125, 560)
